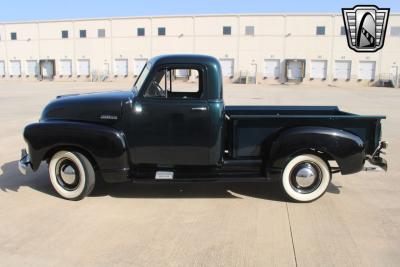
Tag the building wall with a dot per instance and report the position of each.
(276, 36)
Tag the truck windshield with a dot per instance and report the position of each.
(142, 77)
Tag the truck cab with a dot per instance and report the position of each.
(173, 126)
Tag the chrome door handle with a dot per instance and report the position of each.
(200, 108)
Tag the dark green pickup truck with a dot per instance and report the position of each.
(173, 126)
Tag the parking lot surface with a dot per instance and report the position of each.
(356, 223)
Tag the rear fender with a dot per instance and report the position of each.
(105, 145)
(345, 148)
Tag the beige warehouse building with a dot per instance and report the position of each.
(266, 48)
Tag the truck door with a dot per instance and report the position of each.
(172, 119)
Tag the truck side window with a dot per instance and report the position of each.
(185, 84)
(176, 83)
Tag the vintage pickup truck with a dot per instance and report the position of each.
(165, 129)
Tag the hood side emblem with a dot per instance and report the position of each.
(108, 117)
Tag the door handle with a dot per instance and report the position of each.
(199, 108)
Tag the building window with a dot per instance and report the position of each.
(82, 33)
(395, 31)
(64, 34)
(101, 33)
(227, 30)
(13, 36)
(249, 30)
(140, 32)
(320, 30)
(342, 30)
(161, 31)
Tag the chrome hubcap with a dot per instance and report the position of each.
(306, 175)
(68, 175)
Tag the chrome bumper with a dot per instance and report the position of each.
(379, 163)
(24, 162)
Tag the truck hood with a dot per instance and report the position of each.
(93, 107)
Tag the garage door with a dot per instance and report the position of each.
(182, 73)
(66, 67)
(121, 67)
(294, 70)
(318, 69)
(272, 68)
(32, 67)
(106, 69)
(342, 69)
(2, 68)
(84, 67)
(15, 68)
(366, 70)
(139, 65)
(227, 67)
(394, 75)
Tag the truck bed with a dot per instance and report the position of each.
(250, 126)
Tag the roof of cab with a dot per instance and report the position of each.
(213, 79)
(183, 58)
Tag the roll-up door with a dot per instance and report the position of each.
(342, 69)
(272, 68)
(66, 67)
(139, 65)
(2, 68)
(15, 67)
(121, 67)
(32, 68)
(84, 67)
(318, 69)
(227, 66)
(366, 70)
(182, 73)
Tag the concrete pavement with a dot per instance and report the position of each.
(357, 223)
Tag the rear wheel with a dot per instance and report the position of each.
(306, 178)
(71, 174)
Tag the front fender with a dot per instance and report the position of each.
(345, 148)
(104, 144)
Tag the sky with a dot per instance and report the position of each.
(28, 10)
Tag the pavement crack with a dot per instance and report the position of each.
(291, 234)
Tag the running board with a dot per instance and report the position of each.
(204, 180)
(242, 162)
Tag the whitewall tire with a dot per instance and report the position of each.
(71, 174)
(306, 178)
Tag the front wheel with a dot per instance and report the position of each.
(71, 174)
(306, 178)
